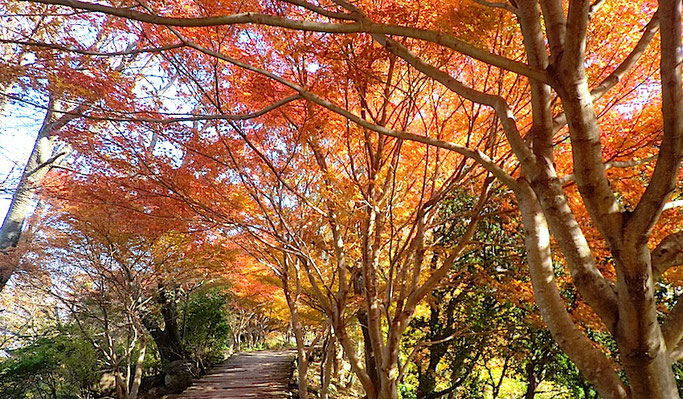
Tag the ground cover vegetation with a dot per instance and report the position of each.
(459, 198)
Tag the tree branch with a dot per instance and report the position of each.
(440, 38)
(592, 363)
(649, 32)
(476, 155)
(319, 10)
(501, 107)
(672, 330)
(503, 6)
(231, 117)
(667, 254)
(612, 164)
(31, 43)
(664, 177)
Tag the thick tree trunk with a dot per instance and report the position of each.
(389, 385)
(639, 336)
(593, 364)
(169, 349)
(167, 340)
(637, 332)
(169, 311)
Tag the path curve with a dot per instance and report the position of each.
(263, 374)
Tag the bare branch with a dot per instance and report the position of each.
(92, 53)
(112, 118)
(501, 107)
(664, 177)
(319, 10)
(612, 164)
(667, 254)
(672, 331)
(503, 6)
(649, 32)
(481, 158)
(441, 38)
(595, 7)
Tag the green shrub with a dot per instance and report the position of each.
(206, 327)
(61, 366)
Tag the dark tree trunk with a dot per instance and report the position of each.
(370, 362)
(427, 379)
(532, 384)
(167, 340)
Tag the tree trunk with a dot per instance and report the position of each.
(36, 168)
(169, 350)
(137, 379)
(121, 388)
(302, 362)
(639, 337)
(368, 354)
(531, 381)
(302, 356)
(170, 313)
(168, 339)
(327, 366)
(641, 345)
(593, 364)
(237, 341)
(389, 387)
(39, 163)
(426, 386)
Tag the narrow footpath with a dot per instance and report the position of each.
(264, 374)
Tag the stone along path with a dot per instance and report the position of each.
(264, 374)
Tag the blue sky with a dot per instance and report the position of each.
(19, 125)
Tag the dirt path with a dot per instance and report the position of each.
(263, 374)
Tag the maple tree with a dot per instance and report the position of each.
(396, 264)
(106, 285)
(565, 104)
(122, 282)
(63, 88)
